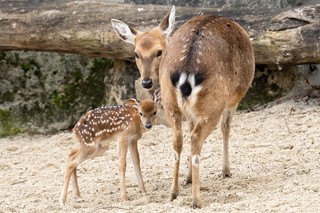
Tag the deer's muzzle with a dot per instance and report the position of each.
(146, 83)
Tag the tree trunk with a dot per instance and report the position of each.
(281, 37)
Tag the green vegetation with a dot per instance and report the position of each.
(27, 66)
(6, 127)
(83, 89)
(58, 95)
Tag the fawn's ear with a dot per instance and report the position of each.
(124, 31)
(167, 23)
(132, 102)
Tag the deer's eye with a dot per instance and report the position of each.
(159, 53)
(155, 113)
(136, 55)
(141, 114)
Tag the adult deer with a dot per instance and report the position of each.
(98, 127)
(205, 70)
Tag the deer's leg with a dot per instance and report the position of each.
(133, 148)
(71, 167)
(189, 173)
(76, 191)
(84, 154)
(122, 152)
(76, 156)
(175, 119)
(225, 128)
(96, 151)
(203, 127)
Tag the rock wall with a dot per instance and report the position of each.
(225, 3)
(45, 92)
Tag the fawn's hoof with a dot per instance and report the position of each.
(79, 199)
(196, 203)
(124, 197)
(62, 201)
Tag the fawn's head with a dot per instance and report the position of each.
(149, 46)
(147, 111)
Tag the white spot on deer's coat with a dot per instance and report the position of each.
(176, 156)
(195, 160)
(182, 58)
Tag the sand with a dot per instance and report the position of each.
(275, 161)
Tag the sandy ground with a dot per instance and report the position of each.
(275, 159)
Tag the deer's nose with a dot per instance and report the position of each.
(146, 83)
(148, 125)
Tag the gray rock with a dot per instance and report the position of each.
(45, 92)
(311, 72)
(225, 3)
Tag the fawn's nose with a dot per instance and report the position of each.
(148, 125)
(146, 83)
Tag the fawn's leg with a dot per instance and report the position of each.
(225, 128)
(71, 167)
(133, 148)
(122, 152)
(94, 152)
(76, 157)
(76, 191)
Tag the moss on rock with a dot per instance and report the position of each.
(7, 128)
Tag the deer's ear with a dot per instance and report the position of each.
(167, 23)
(132, 102)
(125, 32)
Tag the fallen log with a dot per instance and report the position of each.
(281, 37)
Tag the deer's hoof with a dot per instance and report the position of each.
(226, 174)
(188, 181)
(173, 196)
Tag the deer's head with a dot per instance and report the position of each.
(149, 46)
(147, 111)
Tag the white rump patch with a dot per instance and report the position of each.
(187, 105)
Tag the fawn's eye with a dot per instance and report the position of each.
(136, 55)
(155, 113)
(141, 114)
(159, 53)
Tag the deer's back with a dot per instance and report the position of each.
(216, 50)
(106, 123)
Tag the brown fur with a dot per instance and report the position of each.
(206, 69)
(219, 50)
(147, 48)
(98, 128)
